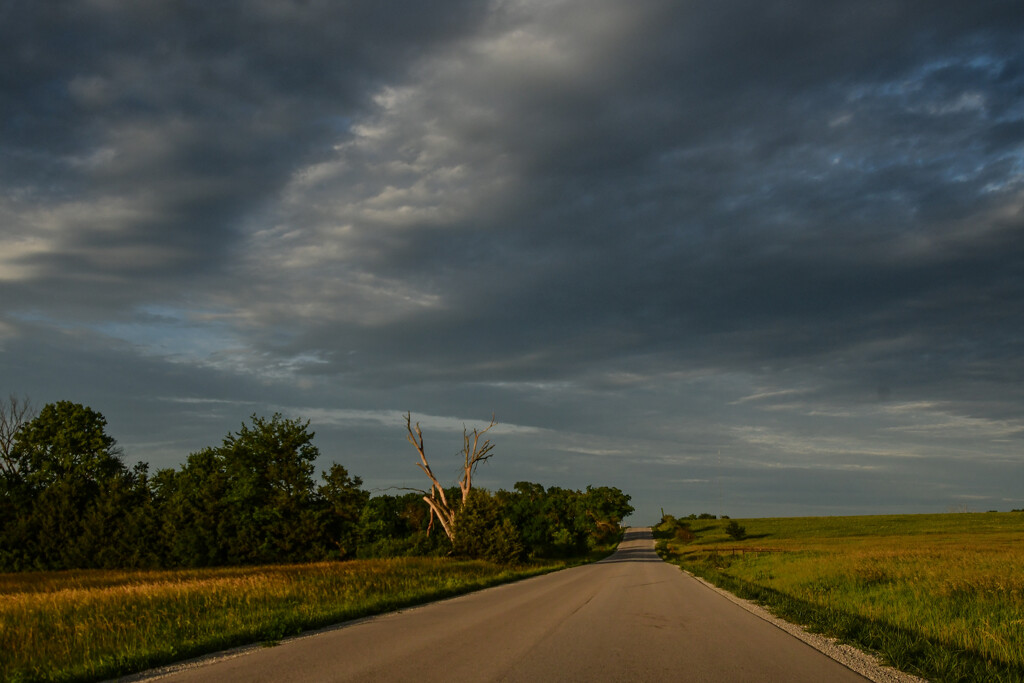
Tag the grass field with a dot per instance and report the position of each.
(941, 596)
(91, 625)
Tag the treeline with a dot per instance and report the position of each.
(503, 526)
(67, 500)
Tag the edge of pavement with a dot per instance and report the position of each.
(857, 660)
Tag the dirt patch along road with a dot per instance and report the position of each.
(630, 617)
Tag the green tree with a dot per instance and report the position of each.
(379, 522)
(72, 492)
(343, 501)
(526, 506)
(269, 468)
(483, 531)
(67, 499)
(557, 522)
(119, 528)
(735, 531)
(67, 441)
(195, 519)
(253, 499)
(395, 526)
(605, 507)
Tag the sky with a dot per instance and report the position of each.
(742, 257)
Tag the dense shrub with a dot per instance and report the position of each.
(482, 530)
(735, 531)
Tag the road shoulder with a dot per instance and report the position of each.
(854, 659)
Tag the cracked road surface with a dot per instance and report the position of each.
(630, 617)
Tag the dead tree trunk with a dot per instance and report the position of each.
(474, 452)
(15, 413)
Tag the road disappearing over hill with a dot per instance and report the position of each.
(630, 617)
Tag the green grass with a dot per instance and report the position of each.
(91, 625)
(940, 596)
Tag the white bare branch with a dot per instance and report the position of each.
(474, 453)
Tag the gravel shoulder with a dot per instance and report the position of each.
(865, 664)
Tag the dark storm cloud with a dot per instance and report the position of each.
(688, 227)
(152, 131)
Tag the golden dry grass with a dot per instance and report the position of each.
(87, 625)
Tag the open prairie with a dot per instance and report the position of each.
(90, 625)
(941, 596)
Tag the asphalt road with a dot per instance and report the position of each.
(630, 617)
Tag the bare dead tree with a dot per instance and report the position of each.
(15, 413)
(474, 452)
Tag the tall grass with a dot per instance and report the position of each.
(941, 596)
(90, 625)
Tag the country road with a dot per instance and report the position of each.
(630, 617)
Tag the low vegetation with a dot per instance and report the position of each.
(940, 596)
(87, 625)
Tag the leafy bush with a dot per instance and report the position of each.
(482, 532)
(736, 531)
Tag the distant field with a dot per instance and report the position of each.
(941, 596)
(90, 625)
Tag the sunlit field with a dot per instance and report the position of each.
(90, 625)
(941, 596)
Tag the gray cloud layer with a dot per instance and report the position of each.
(761, 256)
